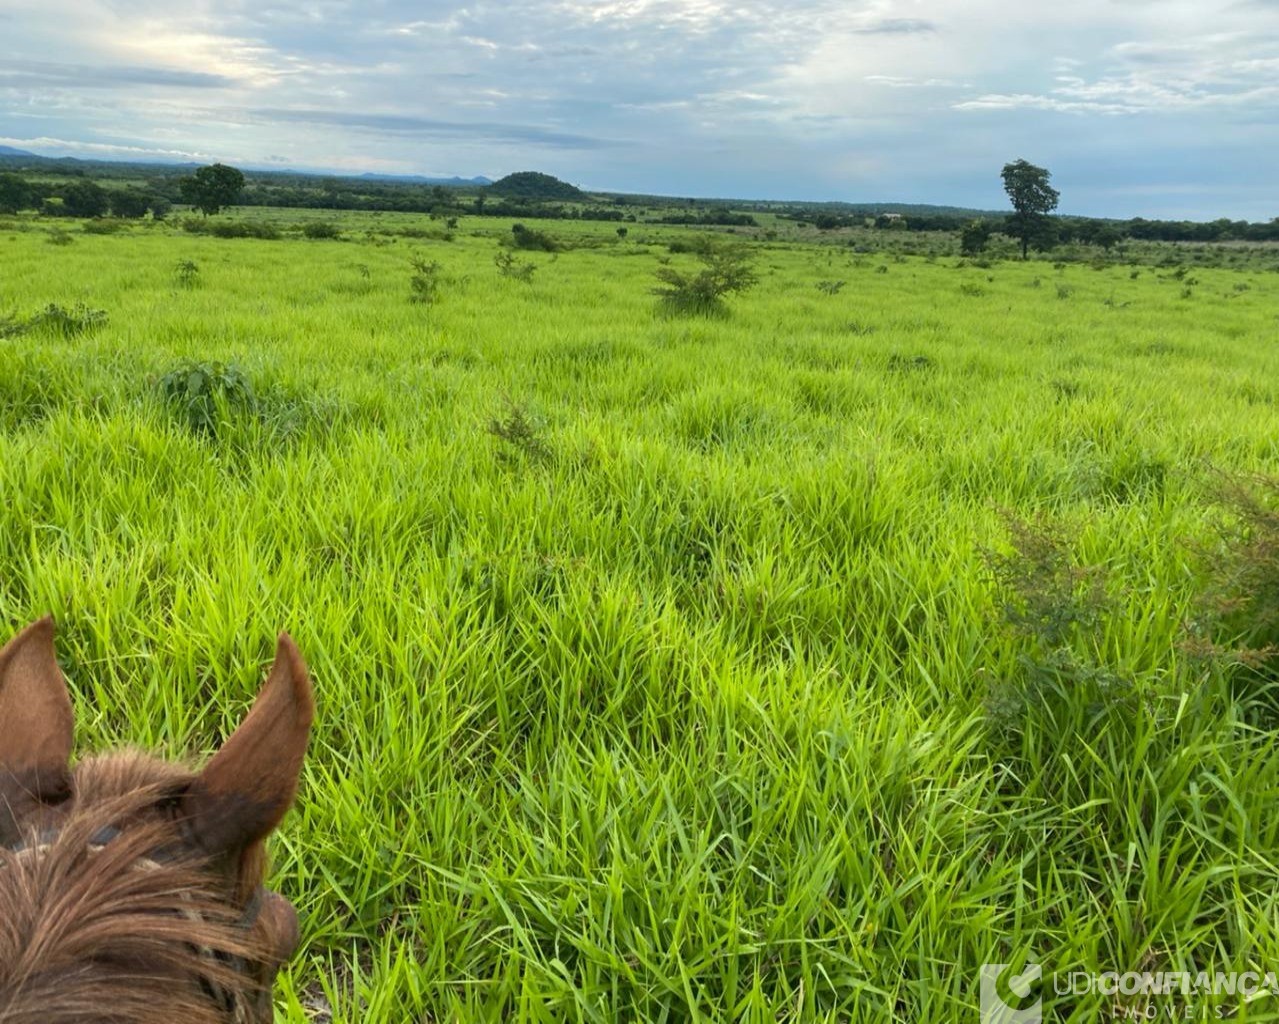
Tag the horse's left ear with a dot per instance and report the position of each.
(246, 789)
(35, 728)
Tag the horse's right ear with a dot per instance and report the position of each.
(35, 728)
(246, 788)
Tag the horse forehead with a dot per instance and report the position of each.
(107, 776)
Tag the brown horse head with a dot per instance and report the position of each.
(130, 888)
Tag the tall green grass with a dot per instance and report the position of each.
(685, 714)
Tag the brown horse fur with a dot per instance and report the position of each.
(149, 927)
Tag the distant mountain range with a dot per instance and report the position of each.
(412, 179)
(9, 154)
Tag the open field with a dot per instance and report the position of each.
(661, 674)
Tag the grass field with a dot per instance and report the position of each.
(661, 673)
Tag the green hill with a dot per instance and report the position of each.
(534, 185)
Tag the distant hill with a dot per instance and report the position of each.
(10, 151)
(534, 185)
(417, 179)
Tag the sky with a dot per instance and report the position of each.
(1155, 108)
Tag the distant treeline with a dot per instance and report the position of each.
(81, 195)
(1070, 229)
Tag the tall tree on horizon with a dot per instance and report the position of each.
(212, 187)
(1033, 200)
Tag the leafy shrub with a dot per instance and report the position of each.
(207, 395)
(102, 227)
(187, 273)
(508, 266)
(699, 244)
(1237, 624)
(59, 236)
(519, 434)
(724, 272)
(56, 320)
(320, 229)
(1054, 608)
(426, 283)
(830, 287)
(527, 238)
(231, 228)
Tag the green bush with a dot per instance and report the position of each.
(508, 266)
(527, 238)
(56, 320)
(321, 229)
(724, 272)
(231, 228)
(426, 283)
(207, 395)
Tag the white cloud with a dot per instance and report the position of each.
(865, 99)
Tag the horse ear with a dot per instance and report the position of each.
(35, 727)
(250, 783)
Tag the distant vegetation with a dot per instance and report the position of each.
(65, 187)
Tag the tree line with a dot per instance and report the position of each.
(209, 190)
(216, 186)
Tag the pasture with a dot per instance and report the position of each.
(661, 665)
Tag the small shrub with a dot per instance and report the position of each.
(102, 227)
(527, 238)
(64, 322)
(426, 283)
(59, 236)
(881, 269)
(321, 229)
(830, 287)
(970, 289)
(1064, 291)
(186, 273)
(519, 434)
(1237, 620)
(207, 395)
(724, 272)
(508, 266)
(1053, 608)
(231, 228)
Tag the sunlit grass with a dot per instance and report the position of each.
(683, 717)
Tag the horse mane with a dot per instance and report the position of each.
(138, 929)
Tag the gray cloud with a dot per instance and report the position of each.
(897, 26)
(403, 123)
(91, 76)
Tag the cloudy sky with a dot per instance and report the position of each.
(1139, 107)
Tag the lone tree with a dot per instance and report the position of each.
(1033, 200)
(211, 188)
